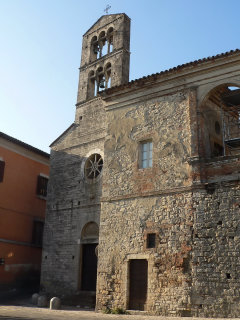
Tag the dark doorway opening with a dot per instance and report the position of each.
(138, 284)
(89, 267)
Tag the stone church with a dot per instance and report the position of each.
(143, 209)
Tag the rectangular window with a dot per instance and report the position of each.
(2, 166)
(151, 240)
(42, 183)
(146, 154)
(37, 234)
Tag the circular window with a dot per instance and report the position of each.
(217, 127)
(93, 166)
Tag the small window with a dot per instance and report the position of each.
(42, 186)
(151, 240)
(217, 150)
(2, 166)
(146, 154)
(37, 234)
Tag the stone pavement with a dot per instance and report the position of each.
(28, 312)
(18, 309)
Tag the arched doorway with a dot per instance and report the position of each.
(220, 122)
(89, 242)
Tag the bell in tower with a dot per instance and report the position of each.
(105, 43)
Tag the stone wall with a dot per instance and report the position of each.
(189, 202)
(119, 58)
(166, 122)
(139, 201)
(124, 226)
(74, 198)
(216, 244)
(73, 201)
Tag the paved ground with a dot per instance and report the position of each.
(24, 310)
(33, 313)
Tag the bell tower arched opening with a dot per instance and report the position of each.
(94, 49)
(108, 75)
(110, 40)
(106, 41)
(100, 77)
(102, 40)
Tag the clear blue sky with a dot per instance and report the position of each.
(40, 49)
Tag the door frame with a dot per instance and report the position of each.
(80, 263)
(126, 275)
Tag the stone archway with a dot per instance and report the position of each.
(219, 122)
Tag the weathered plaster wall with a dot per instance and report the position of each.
(138, 201)
(166, 122)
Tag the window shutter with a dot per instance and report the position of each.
(2, 166)
(37, 234)
(39, 185)
(42, 183)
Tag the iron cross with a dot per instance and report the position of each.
(107, 8)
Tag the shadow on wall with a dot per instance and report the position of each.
(73, 201)
(74, 178)
(24, 285)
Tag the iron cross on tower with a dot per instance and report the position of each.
(107, 8)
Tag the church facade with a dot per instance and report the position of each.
(144, 194)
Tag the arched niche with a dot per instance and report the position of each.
(90, 233)
(219, 121)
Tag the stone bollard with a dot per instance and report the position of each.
(42, 301)
(55, 303)
(35, 298)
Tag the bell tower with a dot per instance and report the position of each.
(105, 56)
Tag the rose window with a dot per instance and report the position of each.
(93, 166)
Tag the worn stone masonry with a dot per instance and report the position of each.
(69, 263)
(144, 190)
(215, 258)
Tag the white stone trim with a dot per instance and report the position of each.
(44, 175)
(138, 256)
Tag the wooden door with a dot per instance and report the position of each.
(138, 284)
(89, 267)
